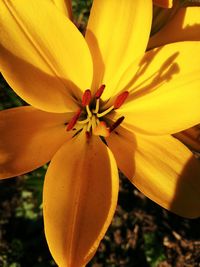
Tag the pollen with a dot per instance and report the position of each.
(91, 117)
(73, 120)
(87, 96)
(121, 99)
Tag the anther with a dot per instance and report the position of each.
(99, 92)
(116, 124)
(86, 98)
(120, 99)
(73, 120)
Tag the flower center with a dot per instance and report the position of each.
(91, 118)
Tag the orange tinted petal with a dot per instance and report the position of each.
(115, 38)
(29, 139)
(80, 196)
(162, 168)
(43, 56)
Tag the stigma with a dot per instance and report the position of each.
(92, 118)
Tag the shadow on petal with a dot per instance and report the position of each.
(186, 200)
(43, 90)
(162, 75)
(29, 139)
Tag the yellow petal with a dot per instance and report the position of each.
(65, 6)
(123, 145)
(165, 170)
(115, 38)
(184, 26)
(164, 94)
(80, 196)
(190, 137)
(163, 3)
(29, 139)
(43, 56)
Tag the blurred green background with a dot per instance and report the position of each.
(142, 234)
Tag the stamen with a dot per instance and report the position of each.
(94, 124)
(116, 124)
(97, 106)
(73, 120)
(88, 111)
(120, 99)
(86, 98)
(99, 92)
(99, 115)
(84, 121)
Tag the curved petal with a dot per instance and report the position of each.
(80, 196)
(29, 139)
(43, 56)
(123, 145)
(115, 37)
(65, 6)
(165, 170)
(163, 3)
(190, 137)
(164, 95)
(184, 26)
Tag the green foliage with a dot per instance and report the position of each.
(153, 249)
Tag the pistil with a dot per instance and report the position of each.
(92, 122)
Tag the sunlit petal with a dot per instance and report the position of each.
(29, 139)
(117, 34)
(165, 170)
(50, 63)
(164, 93)
(80, 196)
(65, 6)
(184, 26)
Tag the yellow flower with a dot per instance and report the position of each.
(96, 102)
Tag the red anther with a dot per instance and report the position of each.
(86, 98)
(88, 135)
(99, 92)
(116, 124)
(73, 120)
(120, 99)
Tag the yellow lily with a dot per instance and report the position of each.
(97, 103)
